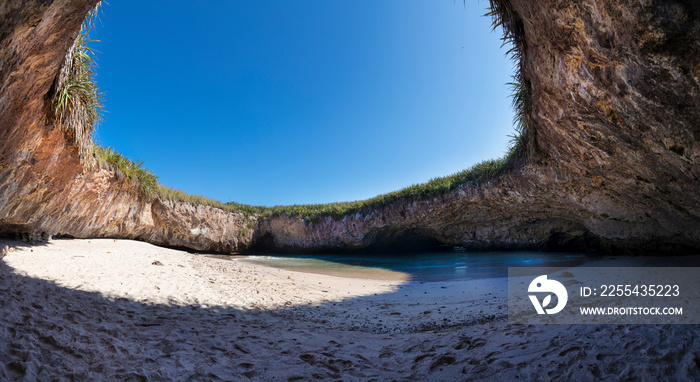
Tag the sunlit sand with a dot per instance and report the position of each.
(129, 310)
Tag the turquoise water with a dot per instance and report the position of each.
(425, 267)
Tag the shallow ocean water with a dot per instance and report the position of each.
(424, 267)
(452, 266)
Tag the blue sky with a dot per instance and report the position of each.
(288, 102)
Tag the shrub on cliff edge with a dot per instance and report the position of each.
(132, 171)
(77, 102)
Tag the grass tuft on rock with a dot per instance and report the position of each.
(77, 101)
(504, 16)
(125, 168)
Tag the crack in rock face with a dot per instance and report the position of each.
(610, 161)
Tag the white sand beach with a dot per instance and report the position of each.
(103, 309)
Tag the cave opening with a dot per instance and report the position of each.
(308, 111)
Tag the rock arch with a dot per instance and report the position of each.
(611, 163)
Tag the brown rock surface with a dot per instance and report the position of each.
(43, 188)
(612, 148)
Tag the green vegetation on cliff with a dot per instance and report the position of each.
(77, 103)
(79, 92)
(477, 174)
(148, 185)
(503, 16)
(127, 169)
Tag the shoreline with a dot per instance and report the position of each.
(347, 271)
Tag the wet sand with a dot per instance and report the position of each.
(125, 310)
(328, 268)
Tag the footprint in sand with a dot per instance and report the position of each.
(469, 344)
(443, 360)
(569, 350)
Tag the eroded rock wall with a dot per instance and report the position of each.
(43, 188)
(612, 142)
(615, 123)
(616, 103)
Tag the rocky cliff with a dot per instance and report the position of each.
(44, 189)
(610, 159)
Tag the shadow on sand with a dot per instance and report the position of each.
(48, 332)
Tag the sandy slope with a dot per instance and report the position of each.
(100, 309)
